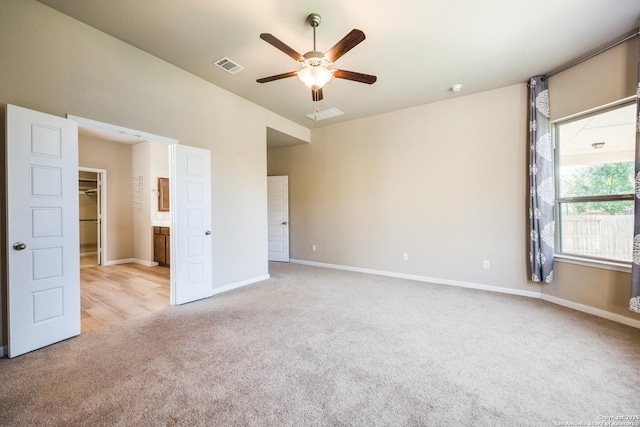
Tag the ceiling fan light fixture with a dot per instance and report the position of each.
(315, 77)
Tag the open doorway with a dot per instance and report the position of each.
(118, 213)
(91, 209)
(278, 196)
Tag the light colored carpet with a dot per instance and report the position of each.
(315, 346)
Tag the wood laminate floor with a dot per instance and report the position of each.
(114, 293)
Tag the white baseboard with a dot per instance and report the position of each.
(3, 351)
(240, 284)
(539, 295)
(143, 262)
(129, 261)
(118, 261)
(592, 310)
(530, 294)
(88, 254)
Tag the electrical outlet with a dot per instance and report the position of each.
(486, 264)
(313, 248)
(405, 256)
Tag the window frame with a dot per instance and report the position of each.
(596, 262)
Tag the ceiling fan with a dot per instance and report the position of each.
(315, 72)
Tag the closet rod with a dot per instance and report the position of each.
(611, 45)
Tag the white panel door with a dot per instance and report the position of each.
(192, 255)
(42, 229)
(278, 217)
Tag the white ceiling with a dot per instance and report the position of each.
(416, 48)
(616, 128)
(85, 131)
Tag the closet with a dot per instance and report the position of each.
(89, 210)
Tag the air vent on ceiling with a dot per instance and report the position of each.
(325, 114)
(228, 65)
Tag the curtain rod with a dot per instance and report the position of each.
(613, 44)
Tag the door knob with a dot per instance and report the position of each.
(208, 233)
(19, 246)
(284, 223)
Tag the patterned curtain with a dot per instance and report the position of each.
(542, 187)
(634, 302)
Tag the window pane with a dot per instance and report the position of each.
(597, 153)
(597, 179)
(597, 229)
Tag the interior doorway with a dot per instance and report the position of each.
(118, 202)
(92, 207)
(278, 225)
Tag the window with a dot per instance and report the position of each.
(595, 170)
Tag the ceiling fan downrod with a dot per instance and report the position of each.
(314, 20)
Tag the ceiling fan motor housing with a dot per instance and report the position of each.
(315, 59)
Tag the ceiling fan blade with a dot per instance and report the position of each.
(275, 42)
(277, 77)
(356, 77)
(348, 42)
(316, 95)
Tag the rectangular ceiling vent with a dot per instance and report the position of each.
(325, 114)
(228, 65)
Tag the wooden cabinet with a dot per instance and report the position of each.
(161, 245)
(163, 194)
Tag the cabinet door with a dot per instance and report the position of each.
(167, 251)
(163, 194)
(159, 244)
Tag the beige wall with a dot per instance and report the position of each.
(141, 216)
(606, 78)
(150, 160)
(603, 289)
(57, 65)
(115, 158)
(443, 182)
(159, 168)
